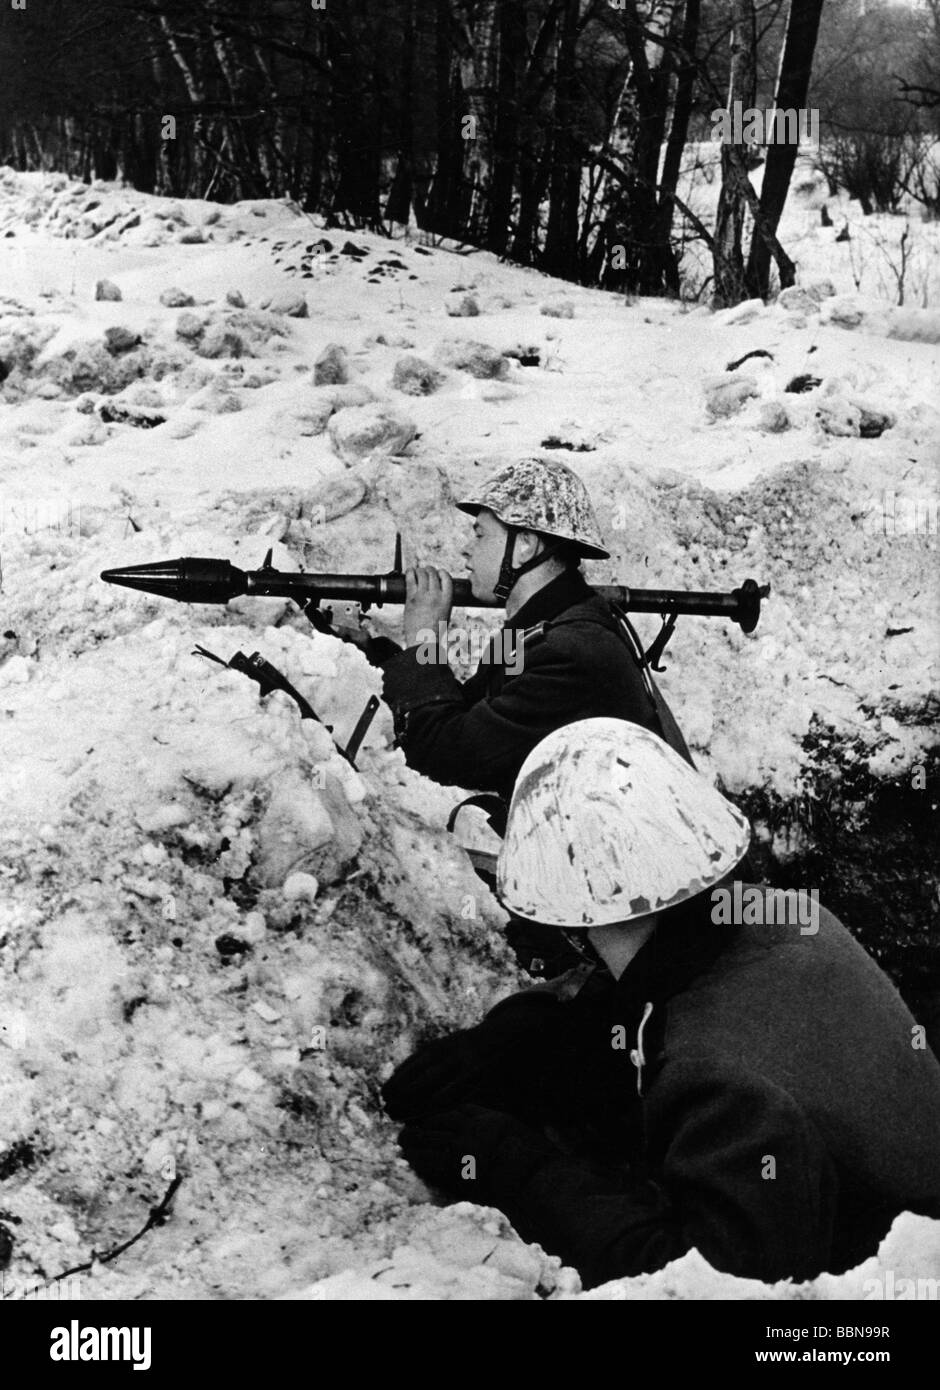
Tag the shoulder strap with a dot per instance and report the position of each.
(528, 634)
(668, 728)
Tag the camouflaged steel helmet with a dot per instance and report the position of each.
(541, 495)
(608, 824)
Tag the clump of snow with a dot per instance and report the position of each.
(86, 434)
(725, 396)
(873, 422)
(415, 377)
(310, 418)
(774, 417)
(845, 311)
(396, 340)
(292, 303)
(839, 417)
(222, 341)
(806, 297)
(360, 431)
(821, 289)
(118, 340)
(175, 298)
(479, 359)
(331, 367)
(300, 885)
(557, 308)
(351, 394)
(190, 327)
(21, 342)
(215, 399)
(914, 325)
(745, 312)
(92, 367)
(797, 299)
(465, 1252)
(463, 306)
(118, 413)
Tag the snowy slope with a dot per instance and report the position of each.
(215, 936)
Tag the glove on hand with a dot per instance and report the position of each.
(348, 627)
(475, 1154)
(510, 1044)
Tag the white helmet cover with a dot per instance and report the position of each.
(608, 824)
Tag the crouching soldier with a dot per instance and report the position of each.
(563, 654)
(757, 1092)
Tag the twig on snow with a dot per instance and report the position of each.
(158, 1216)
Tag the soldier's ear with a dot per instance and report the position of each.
(528, 544)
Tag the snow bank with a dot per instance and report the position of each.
(181, 998)
(468, 1252)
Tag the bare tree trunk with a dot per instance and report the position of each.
(561, 240)
(636, 224)
(227, 130)
(140, 166)
(194, 91)
(732, 200)
(533, 180)
(357, 128)
(655, 267)
(678, 134)
(534, 154)
(398, 203)
(271, 158)
(796, 65)
(316, 159)
(511, 37)
(444, 211)
(478, 66)
(309, 151)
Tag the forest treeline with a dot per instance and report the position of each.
(553, 132)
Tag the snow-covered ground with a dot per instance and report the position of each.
(215, 937)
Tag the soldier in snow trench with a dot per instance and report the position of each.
(562, 655)
(752, 1089)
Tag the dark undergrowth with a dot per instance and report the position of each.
(869, 846)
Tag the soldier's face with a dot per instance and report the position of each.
(483, 554)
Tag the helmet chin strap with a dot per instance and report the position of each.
(580, 942)
(509, 573)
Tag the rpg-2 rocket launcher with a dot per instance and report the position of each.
(198, 580)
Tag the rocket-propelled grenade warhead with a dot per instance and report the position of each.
(191, 580)
(200, 580)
